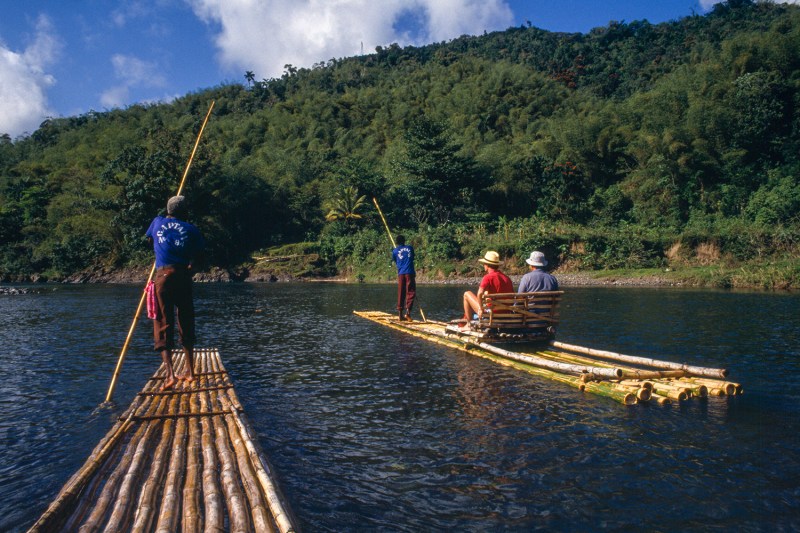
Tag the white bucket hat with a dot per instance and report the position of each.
(537, 259)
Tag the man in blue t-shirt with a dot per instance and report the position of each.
(403, 257)
(176, 244)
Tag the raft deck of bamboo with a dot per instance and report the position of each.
(180, 460)
(625, 378)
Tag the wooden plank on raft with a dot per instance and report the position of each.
(182, 460)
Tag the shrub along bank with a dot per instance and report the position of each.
(725, 256)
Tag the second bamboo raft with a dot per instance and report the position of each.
(180, 460)
(624, 378)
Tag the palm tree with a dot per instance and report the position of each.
(250, 77)
(345, 204)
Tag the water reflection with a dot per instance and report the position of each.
(369, 429)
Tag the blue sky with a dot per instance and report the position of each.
(64, 58)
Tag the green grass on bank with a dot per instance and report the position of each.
(304, 261)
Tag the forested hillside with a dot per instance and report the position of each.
(635, 145)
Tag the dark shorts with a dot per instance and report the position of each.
(173, 288)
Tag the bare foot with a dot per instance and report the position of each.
(168, 384)
(188, 378)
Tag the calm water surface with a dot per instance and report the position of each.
(371, 430)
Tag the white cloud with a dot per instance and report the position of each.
(135, 71)
(23, 80)
(265, 35)
(131, 72)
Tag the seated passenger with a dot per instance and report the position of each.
(494, 282)
(537, 279)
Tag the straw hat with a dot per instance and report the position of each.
(491, 258)
(537, 259)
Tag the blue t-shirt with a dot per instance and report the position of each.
(403, 256)
(175, 242)
(537, 280)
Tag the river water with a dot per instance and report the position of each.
(371, 430)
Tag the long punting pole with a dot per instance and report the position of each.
(385, 225)
(389, 233)
(152, 270)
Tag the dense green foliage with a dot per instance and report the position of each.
(634, 145)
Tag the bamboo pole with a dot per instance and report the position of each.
(645, 361)
(642, 393)
(169, 513)
(237, 507)
(674, 394)
(385, 224)
(633, 373)
(261, 517)
(212, 494)
(659, 399)
(727, 387)
(135, 320)
(595, 371)
(100, 509)
(145, 509)
(696, 389)
(191, 521)
(573, 359)
(171, 499)
(121, 513)
(606, 389)
(637, 383)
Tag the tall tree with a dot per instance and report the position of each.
(434, 183)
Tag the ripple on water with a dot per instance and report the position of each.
(368, 429)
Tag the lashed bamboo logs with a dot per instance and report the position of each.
(109, 489)
(257, 458)
(662, 383)
(644, 361)
(440, 337)
(178, 460)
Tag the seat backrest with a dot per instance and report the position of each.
(530, 310)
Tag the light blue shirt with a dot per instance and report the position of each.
(537, 280)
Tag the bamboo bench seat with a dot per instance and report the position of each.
(529, 313)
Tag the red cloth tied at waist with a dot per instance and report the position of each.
(153, 312)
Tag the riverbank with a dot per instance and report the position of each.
(761, 277)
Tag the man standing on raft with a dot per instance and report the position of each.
(176, 244)
(494, 282)
(403, 257)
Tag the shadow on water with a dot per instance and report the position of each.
(369, 429)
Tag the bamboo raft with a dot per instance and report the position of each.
(625, 378)
(178, 460)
